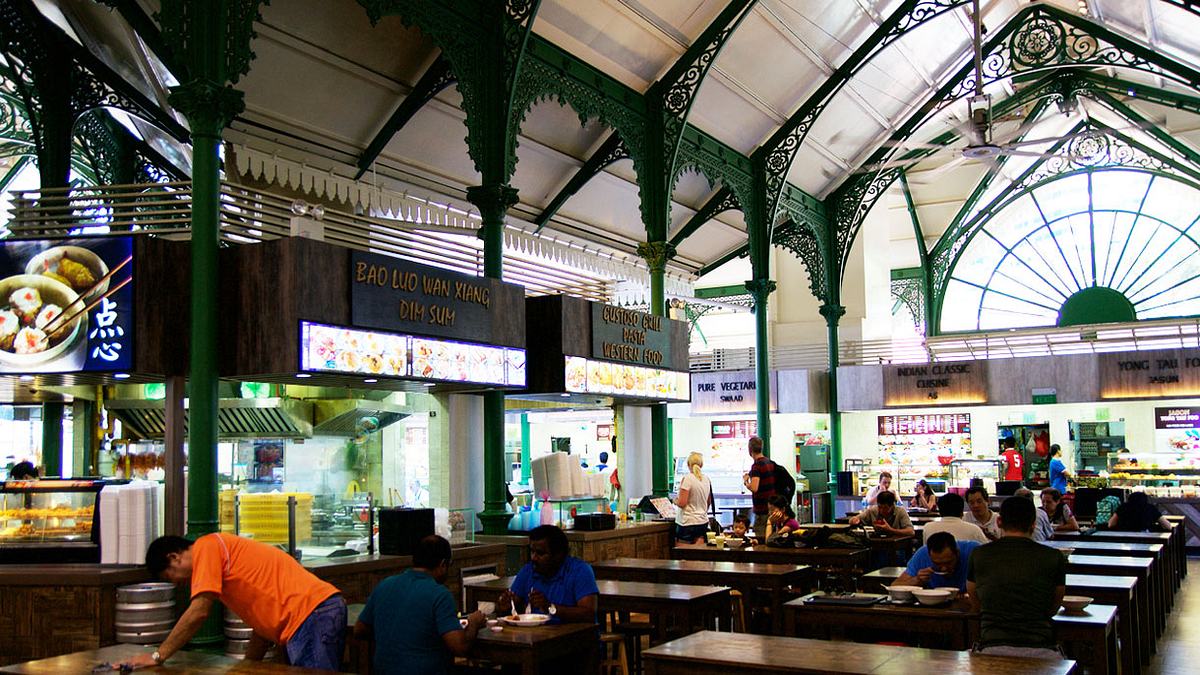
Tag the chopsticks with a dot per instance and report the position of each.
(89, 291)
(91, 305)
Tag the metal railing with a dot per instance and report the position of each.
(248, 216)
(1090, 339)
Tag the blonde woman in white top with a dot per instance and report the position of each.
(695, 491)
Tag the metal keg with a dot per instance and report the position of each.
(145, 613)
(237, 637)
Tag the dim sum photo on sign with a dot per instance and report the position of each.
(66, 306)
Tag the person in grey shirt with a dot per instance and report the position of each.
(1042, 529)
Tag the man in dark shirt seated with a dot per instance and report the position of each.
(412, 617)
(553, 582)
(1017, 586)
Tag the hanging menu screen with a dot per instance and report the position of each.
(919, 425)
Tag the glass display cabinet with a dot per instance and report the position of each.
(50, 521)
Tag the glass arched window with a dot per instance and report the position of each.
(1108, 245)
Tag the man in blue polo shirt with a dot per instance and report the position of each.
(412, 617)
(940, 563)
(553, 582)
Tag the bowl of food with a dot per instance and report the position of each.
(1075, 603)
(933, 596)
(902, 593)
(73, 266)
(526, 619)
(29, 305)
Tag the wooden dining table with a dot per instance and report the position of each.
(180, 662)
(1150, 616)
(709, 653)
(747, 578)
(1089, 636)
(673, 608)
(845, 563)
(539, 650)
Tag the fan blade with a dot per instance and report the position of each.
(1026, 153)
(910, 145)
(930, 176)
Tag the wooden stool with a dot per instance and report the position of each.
(616, 661)
(739, 611)
(633, 632)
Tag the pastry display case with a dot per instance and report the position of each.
(50, 521)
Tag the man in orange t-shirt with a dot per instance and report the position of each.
(283, 602)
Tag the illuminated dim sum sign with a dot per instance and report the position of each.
(66, 306)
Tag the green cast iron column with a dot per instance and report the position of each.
(526, 469)
(656, 254)
(493, 202)
(760, 290)
(832, 314)
(52, 439)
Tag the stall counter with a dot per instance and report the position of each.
(49, 610)
(628, 540)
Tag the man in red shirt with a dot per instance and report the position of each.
(760, 481)
(1013, 459)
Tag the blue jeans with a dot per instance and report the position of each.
(320, 640)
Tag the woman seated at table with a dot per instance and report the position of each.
(780, 517)
(925, 499)
(695, 493)
(1060, 514)
(1137, 514)
(885, 485)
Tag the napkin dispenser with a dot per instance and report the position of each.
(401, 529)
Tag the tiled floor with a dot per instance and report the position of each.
(1179, 648)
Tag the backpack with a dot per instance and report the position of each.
(785, 485)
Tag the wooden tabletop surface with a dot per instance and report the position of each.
(1100, 581)
(530, 636)
(1094, 614)
(1086, 546)
(181, 662)
(762, 550)
(72, 574)
(1110, 561)
(741, 652)
(612, 588)
(1112, 535)
(721, 567)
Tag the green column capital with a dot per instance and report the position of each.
(493, 201)
(656, 254)
(832, 313)
(761, 289)
(208, 106)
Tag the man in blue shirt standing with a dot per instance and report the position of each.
(940, 563)
(553, 582)
(412, 617)
(1058, 470)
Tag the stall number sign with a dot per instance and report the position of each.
(1163, 372)
(919, 425)
(395, 294)
(935, 383)
(629, 336)
(1177, 418)
(734, 429)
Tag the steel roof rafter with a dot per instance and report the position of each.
(435, 79)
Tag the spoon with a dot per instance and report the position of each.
(514, 606)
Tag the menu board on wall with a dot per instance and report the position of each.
(585, 376)
(338, 349)
(730, 391)
(393, 294)
(1159, 373)
(919, 384)
(919, 425)
(1177, 418)
(734, 429)
(66, 306)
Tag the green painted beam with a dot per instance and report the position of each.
(436, 78)
(720, 291)
(611, 150)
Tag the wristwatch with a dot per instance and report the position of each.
(553, 610)
(156, 657)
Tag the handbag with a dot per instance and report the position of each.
(714, 525)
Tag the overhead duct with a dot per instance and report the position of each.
(236, 418)
(341, 417)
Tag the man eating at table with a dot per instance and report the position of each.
(553, 582)
(951, 505)
(1017, 586)
(980, 513)
(885, 516)
(940, 563)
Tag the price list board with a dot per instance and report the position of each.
(922, 425)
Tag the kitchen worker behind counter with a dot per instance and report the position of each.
(283, 602)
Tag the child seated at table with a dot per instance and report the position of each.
(741, 528)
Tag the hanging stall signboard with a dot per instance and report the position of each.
(948, 383)
(1159, 373)
(630, 336)
(734, 429)
(1177, 418)
(729, 391)
(66, 306)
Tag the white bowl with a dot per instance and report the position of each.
(492, 622)
(902, 593)
(1075, 603)
(933, 596)
(526, 619)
